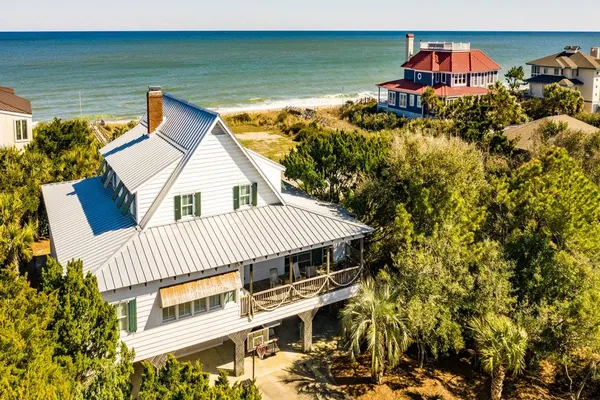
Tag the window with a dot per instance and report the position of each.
(437, 77)
(21, 130)
(122, 316)
(411, 100)
(187, 205)
(402, 100)
(245, 194)
(229, 297)
(113, 180)
(419, 76)
(214, 301)
(392, 98)
(556, 71)
(185, 309)
(459, 79)
(545, 71)
(168, 314)
(443, 78)
(418, 101)
(199, 306)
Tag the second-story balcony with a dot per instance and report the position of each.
(445, 46)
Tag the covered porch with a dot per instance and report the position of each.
(301, 279)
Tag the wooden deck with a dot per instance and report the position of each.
(266, 298)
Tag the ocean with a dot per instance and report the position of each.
(105, 74)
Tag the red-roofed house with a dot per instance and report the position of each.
(452, 69)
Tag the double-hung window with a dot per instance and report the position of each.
(411, 100)
(459, 79)
(185, 309)
(187, 205)
(245, 195)
(199, 306)
(392, 98)
(122, 316)
(418, 101)
(402, 100)
(21, 133)
(214, 301)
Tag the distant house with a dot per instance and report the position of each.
(452, 69)
(570, 68)
(15, 119)
(195, 240)
(526, 136)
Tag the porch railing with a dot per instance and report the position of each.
(271, 299)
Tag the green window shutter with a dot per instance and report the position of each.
(254, 194)
(198, 204)
(117, 190)
(317, 256)
(132, 315)
(177, 208)
(127, 204)
(105, 175)
(108, 178)
(236, 197)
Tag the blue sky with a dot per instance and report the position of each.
(24, 15)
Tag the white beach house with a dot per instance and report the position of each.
(195, 239)
(15, 119)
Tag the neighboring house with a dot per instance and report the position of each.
(570, 68)
(526, 136)
(15, 119)
(452, 69)
(195, 239)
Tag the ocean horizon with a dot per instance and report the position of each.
(106, 73)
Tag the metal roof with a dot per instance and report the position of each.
(247, 236)
(199, 289)
(85, 222)
(136, 156)
(185, 123)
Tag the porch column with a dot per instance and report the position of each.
(239, 351)
(251, 278)
(362, 250)
(307, 331)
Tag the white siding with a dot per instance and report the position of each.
(217, 165)
(149, 191)
(272, 172)
(7, 129)
(154, 338)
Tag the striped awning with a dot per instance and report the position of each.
(199, 289)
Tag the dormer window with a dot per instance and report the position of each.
(245, 195)
(188, 205)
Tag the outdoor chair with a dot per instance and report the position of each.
(297, 274)
(311, 271)
(275, 280)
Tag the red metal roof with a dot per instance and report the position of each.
(441, 90)
(451, 61)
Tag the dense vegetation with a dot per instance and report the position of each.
(475, 247)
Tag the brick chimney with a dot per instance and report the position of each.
(595, 52)
(410, 45)
(154, 103)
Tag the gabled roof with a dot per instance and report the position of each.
(136, 156)
(441, 90)
(525, 134)
(567, 60)
(84, 222)
(9, 101)
(455, 61)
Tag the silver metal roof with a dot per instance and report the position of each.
(185, 123)
(85, 222)
(136, 157)
(246, 236)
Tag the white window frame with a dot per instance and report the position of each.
(190, 304)
(402, 100)
(245, 197)
(392, 98)
(169, 319)
(187, 205)
(411, 100)
(124, 317)
(419, 102)
(22, 126)
(443, 79)
(459, 79)
(224, 299)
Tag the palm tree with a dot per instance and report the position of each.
(16, 243)
(501, 346)
(372, 318)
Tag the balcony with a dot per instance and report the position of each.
(271, 299)
(445, 46)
